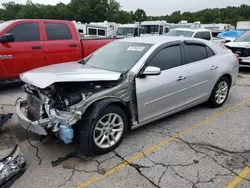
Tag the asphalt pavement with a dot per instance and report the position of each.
(198, 148)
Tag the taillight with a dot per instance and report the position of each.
(237, 56)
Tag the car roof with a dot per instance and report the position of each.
(191, 29)
(156, 39)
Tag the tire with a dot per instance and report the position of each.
(88, 129)
(214, 99)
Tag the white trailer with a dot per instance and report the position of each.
(243, 25)
(154, 28)
(129, 30)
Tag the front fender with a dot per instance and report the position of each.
(101, 103)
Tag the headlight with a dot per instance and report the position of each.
(11, 165)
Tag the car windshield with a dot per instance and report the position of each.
(4, 25)
(125, 31)
(244, 38)
(117, 56)
(150, 29)
(180, 33)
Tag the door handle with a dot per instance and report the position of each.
(72, 45)
(181, 78)
(214, 67)
(36, 47)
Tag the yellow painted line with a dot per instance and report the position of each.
(244, 173)
(154, 147)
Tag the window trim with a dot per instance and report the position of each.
(211, 50)
(198, 43)
(19, 23)
(157, 50)
(45, 32)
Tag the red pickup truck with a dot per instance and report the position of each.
(32, 43)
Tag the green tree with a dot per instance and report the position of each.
(140, 15)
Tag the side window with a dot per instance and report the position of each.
(26, 32)
(167, 58)
(101, 32)
(195, 53)
(206, 35)
(92, 31)
(56, 31)
(198, 35)
(210, 53)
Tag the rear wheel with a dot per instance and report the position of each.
(103, 131)
(220, 92)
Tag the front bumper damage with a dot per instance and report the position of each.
(57, 122)
(37, 127)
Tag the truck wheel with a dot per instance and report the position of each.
(103, 130)
(220, 92)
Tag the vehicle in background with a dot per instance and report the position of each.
(126, 84)
(241, 46)
(185, 24)
(243, 25)
(101, 29)
(195, 33)
(97, 29)
(46, 42)
(150, 28)
(129, 30)
(217, 28)
(81, 27)
(231, 35)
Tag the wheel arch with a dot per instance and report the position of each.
(229, 77)
(100, 104)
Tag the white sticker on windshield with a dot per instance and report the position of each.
(136, 48)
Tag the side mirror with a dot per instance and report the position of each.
(151, 71)
(7, 38)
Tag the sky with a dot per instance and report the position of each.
(159, 7)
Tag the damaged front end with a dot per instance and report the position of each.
(56, 108)
(11, 167)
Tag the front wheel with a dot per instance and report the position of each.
(220, 92)
(103, 133)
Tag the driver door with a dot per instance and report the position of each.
(165, 93)
(26, 52)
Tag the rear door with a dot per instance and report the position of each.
(60, 43)
(158, 95)
(201, 71)
(26, 52)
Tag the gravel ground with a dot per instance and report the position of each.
(179, 151)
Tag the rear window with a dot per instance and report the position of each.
(101, 32)
(180, 33)
(56, 31)
(195, 53)
(92, 31)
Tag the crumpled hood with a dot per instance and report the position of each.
(66, 72)
(239, 44)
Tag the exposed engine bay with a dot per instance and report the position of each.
(60, 102)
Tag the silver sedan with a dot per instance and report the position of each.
(125, 84)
